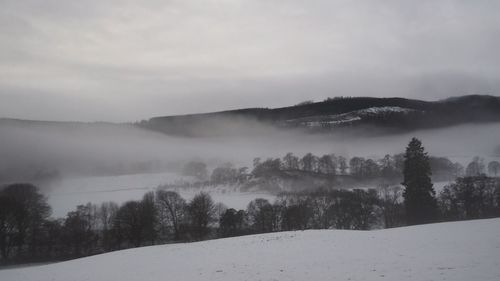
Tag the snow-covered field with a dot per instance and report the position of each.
(70, 192)
(447, 251)
(65, 195)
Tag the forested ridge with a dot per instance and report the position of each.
(416, 114)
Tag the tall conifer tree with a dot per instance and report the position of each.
(419, 194)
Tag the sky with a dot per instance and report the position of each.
(122, 61)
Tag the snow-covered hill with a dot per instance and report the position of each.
(446, 251)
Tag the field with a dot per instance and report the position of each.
(70, 192)
(446, 251)
(66, 194)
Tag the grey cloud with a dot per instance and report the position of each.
(128, 60)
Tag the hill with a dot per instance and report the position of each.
(447, 251)
(351, 115)
(338, 114)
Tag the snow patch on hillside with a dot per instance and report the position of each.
(346, 118)
(383, 109)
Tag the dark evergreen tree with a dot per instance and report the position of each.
(419, 194)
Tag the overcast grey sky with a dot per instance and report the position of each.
(130, 60)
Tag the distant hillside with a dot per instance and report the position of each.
(382, 115)
(340, 114)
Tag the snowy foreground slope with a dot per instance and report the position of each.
(447, 251)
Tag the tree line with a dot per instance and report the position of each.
(389, 168)
(28, 233)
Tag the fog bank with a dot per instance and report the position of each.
(41, 149)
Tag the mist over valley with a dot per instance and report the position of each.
(74, 163)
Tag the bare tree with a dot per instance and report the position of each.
(326, 165)
(475, 168)
(106, 214)
(196, 169)
(261, 215)
(149, 217)
(201, 213)
(7, 226)
(291, 162)
(22, 218)
(357, 166)
(321, 202)
(391, 203)
(232, 223)
(171, 208)
(219, 210)
(128, 223)
(342, 162)
(80, 232)
(494, 168)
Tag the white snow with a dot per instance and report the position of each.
(334, 122)
(448, 251)
(349, 117)
(440, 185)
(70, 192)
(66, 194)
(383, 109)
(226, 195)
